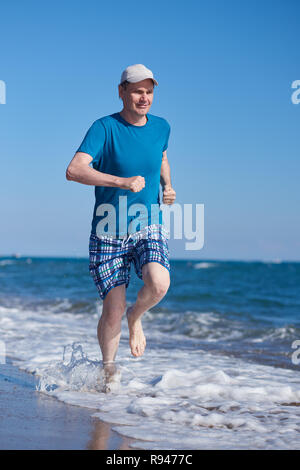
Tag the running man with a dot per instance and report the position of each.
(127, 150)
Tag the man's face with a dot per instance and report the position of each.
(138, 97)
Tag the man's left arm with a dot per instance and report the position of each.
(169, 195)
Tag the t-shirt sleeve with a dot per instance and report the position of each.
(93, 142)
(167, 137)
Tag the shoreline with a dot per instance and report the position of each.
(31, 420)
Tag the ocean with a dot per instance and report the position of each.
(220, 370)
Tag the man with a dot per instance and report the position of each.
(128, 154)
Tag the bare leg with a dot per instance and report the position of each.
(109, 331)
(109, 326)
(156, 283)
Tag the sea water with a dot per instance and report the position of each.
(218, 370)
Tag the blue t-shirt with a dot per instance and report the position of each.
(125, 150)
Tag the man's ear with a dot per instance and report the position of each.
(120, 91)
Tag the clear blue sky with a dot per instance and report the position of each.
(225, 70)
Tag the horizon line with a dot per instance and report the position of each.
(272, 260)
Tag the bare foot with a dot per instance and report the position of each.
(111, 376)
(137, 338)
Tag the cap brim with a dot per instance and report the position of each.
(140, 80)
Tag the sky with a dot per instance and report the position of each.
(225, 71)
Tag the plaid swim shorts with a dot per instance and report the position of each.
(110, 258)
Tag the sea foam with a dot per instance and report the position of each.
(173, 397)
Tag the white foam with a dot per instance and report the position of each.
(5, 262)
(204, 265)
(279, 333)
(171, 398)
(273, 261)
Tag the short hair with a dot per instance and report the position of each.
(124, 84)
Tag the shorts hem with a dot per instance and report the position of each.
(103, 295)
(153, 261)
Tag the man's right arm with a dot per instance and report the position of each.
(80, 171)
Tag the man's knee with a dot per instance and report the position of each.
(158, 282)
(159, 290)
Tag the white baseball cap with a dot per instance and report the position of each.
(136, 73)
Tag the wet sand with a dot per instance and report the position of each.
(31, 420)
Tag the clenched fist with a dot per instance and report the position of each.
(169, 195)
(135, 183)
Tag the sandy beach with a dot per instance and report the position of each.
(30, 420)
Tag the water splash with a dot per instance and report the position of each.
(76, 372)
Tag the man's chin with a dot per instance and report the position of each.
(142, 111)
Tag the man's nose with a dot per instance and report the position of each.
(144, 97)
